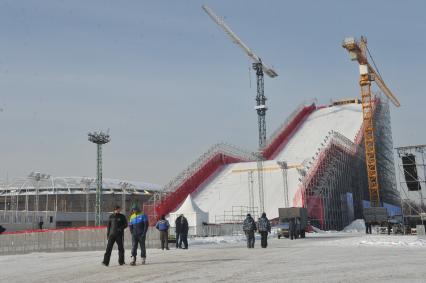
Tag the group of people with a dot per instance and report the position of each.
(250, 227)
(182, 228)
(117, 223)
(138, 225)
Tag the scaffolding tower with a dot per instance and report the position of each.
(336, 184)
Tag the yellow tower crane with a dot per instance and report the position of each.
(358, 51)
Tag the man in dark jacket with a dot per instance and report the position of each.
(115, 233)
(138, 225)
(178, 229)
(183, 235)
(163, 226)
(249, 226)
(292, 225)
(264, 227)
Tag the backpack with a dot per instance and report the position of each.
(248, 224)
(263, 224)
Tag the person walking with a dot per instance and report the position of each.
(184, 228)
(138, 225)
(293, 228)
(178, 229)
(367, 228)
(249, 227)
(389, 227)
(117, 222)
(163, 226)
(264, 227)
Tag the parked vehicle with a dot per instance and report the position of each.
(296, 215)
(283, 230)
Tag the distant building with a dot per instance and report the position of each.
(63, 201)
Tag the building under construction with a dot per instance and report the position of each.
(325, 170)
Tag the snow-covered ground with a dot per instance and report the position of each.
(325, 257)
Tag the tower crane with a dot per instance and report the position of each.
(358, 52)
(260, 107)
(258, 66)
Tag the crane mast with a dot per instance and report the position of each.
(358, 51)
(260, 107)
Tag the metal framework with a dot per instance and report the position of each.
(219, 148)
(99, 138)
(250, 183)
(237, 214)
(260, 108)
(413, 201)
(284, 167)
(64, 195)
(193, 176)
(337, 176)
(218, 155)
(260, 105)
(358, 51)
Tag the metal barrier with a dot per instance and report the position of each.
(73, 239)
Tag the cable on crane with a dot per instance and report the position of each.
(374, 63)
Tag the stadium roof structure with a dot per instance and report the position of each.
(75, 185)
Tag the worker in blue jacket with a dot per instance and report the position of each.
(163, 226)
(138, 225)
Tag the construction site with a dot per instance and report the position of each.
(334, 159)
(331, 187)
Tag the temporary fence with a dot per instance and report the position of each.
(212, 230)
(70, 239)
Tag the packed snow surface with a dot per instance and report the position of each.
(325, 257)
(357, 225)
(229, 188)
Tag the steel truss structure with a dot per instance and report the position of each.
(412, 202)
(338, 175)
(334, 184)
(218, 155)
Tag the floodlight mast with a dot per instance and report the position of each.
(260, 107)
(99, 138)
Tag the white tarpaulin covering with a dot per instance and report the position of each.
(230, 186)
(193, 214)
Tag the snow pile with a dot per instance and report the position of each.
(394, 241)
(376, 241)
(217, 240)
(357, 225)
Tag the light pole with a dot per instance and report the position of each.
(37, 177)
(259, 162)
(87, 182)
(283, 165)
(99, 138)
(124, 186)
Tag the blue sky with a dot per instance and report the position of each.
(168, 83)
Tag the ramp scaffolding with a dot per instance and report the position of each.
(336, 185)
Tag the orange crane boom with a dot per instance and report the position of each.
(358, 51)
